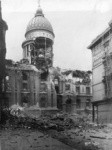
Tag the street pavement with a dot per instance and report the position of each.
(29, 140)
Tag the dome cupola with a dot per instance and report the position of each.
(39, 26)
(38, 46)
(39, 12)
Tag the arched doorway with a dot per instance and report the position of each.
(68, 104)
(25, 100)
(59, 102)
(43, 102)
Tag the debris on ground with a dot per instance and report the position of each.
(75, 130)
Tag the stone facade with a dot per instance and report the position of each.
(83, 98)
(22, 85)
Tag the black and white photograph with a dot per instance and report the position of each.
(55, 74)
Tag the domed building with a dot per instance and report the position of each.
(30, 82)
(34, 81)
(38, 45)
(38, 51)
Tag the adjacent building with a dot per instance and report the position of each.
(83, 98)
(101, 49)
(74, 93)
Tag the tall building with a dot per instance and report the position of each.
(101, 49)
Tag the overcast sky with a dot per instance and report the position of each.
(75, 22)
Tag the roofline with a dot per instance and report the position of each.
(98, 38)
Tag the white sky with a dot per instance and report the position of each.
(75, 22)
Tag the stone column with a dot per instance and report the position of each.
(93, 112)
(48, 93)
(31, 86)
(37, 86)
(64, 103)
(48, 83)
(12, 83)
(54, 98)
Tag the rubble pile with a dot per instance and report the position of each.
(59, 122)
(69, 129)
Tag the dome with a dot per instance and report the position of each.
(39, 22)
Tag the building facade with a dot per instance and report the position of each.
(101, 49)
(74, 95)
(22, 85)
(83, 98)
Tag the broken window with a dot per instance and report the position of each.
(44, 75)
(87, 90)
(43, 87)
(56, 81)
(67, 87)
(7, 83)
(82, 89)
(78, 89)
(25, 77)
(31, 47)
(25, 99)
(78, 103)
(68, 101)
(32, 53)
(88, 103)
(25, 87)
(43, 102)
(57, 89)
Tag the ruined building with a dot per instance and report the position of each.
(101, 49)
(74, 92)
(34, 81)
(3, 28)
(30, 81)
